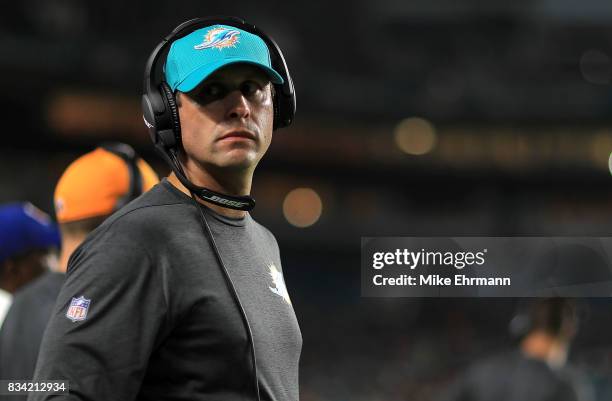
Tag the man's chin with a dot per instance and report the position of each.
(238, 160)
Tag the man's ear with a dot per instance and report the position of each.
(177, 98)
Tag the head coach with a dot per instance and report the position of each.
(180, 295)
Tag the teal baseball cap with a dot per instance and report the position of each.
(194, 57)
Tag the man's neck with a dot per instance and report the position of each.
(214, 186)
(69, 244)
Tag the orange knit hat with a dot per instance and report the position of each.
(93, 183)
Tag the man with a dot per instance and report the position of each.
(172, 297)
(536, 371)
(91, 188)
(28, 243)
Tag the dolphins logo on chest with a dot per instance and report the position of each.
(279, 283)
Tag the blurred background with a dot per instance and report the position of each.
(421, 118)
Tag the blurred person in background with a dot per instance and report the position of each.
(537, 370)
(181, 294)
(29, 242)
(93, 187)
(90, 189)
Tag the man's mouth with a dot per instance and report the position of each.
(238, 134)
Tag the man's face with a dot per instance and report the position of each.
(226, 121)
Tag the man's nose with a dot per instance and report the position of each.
(237, 105)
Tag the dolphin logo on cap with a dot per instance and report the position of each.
(219, 38)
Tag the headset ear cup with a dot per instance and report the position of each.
(148, 115)
(172, 108)
(284, 108)
(284, 94)
(285, 99)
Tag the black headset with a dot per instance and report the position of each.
(129, 156)
(160, 111)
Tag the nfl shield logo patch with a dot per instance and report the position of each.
(78, 308)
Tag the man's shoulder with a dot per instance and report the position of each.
(499, 364)
(263, 230)
(151, 218)
(156, 209)
(32, 306)
(494, 364)
(43, 288)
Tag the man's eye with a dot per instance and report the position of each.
(212, 90)
(208, 93)
(249, 88)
